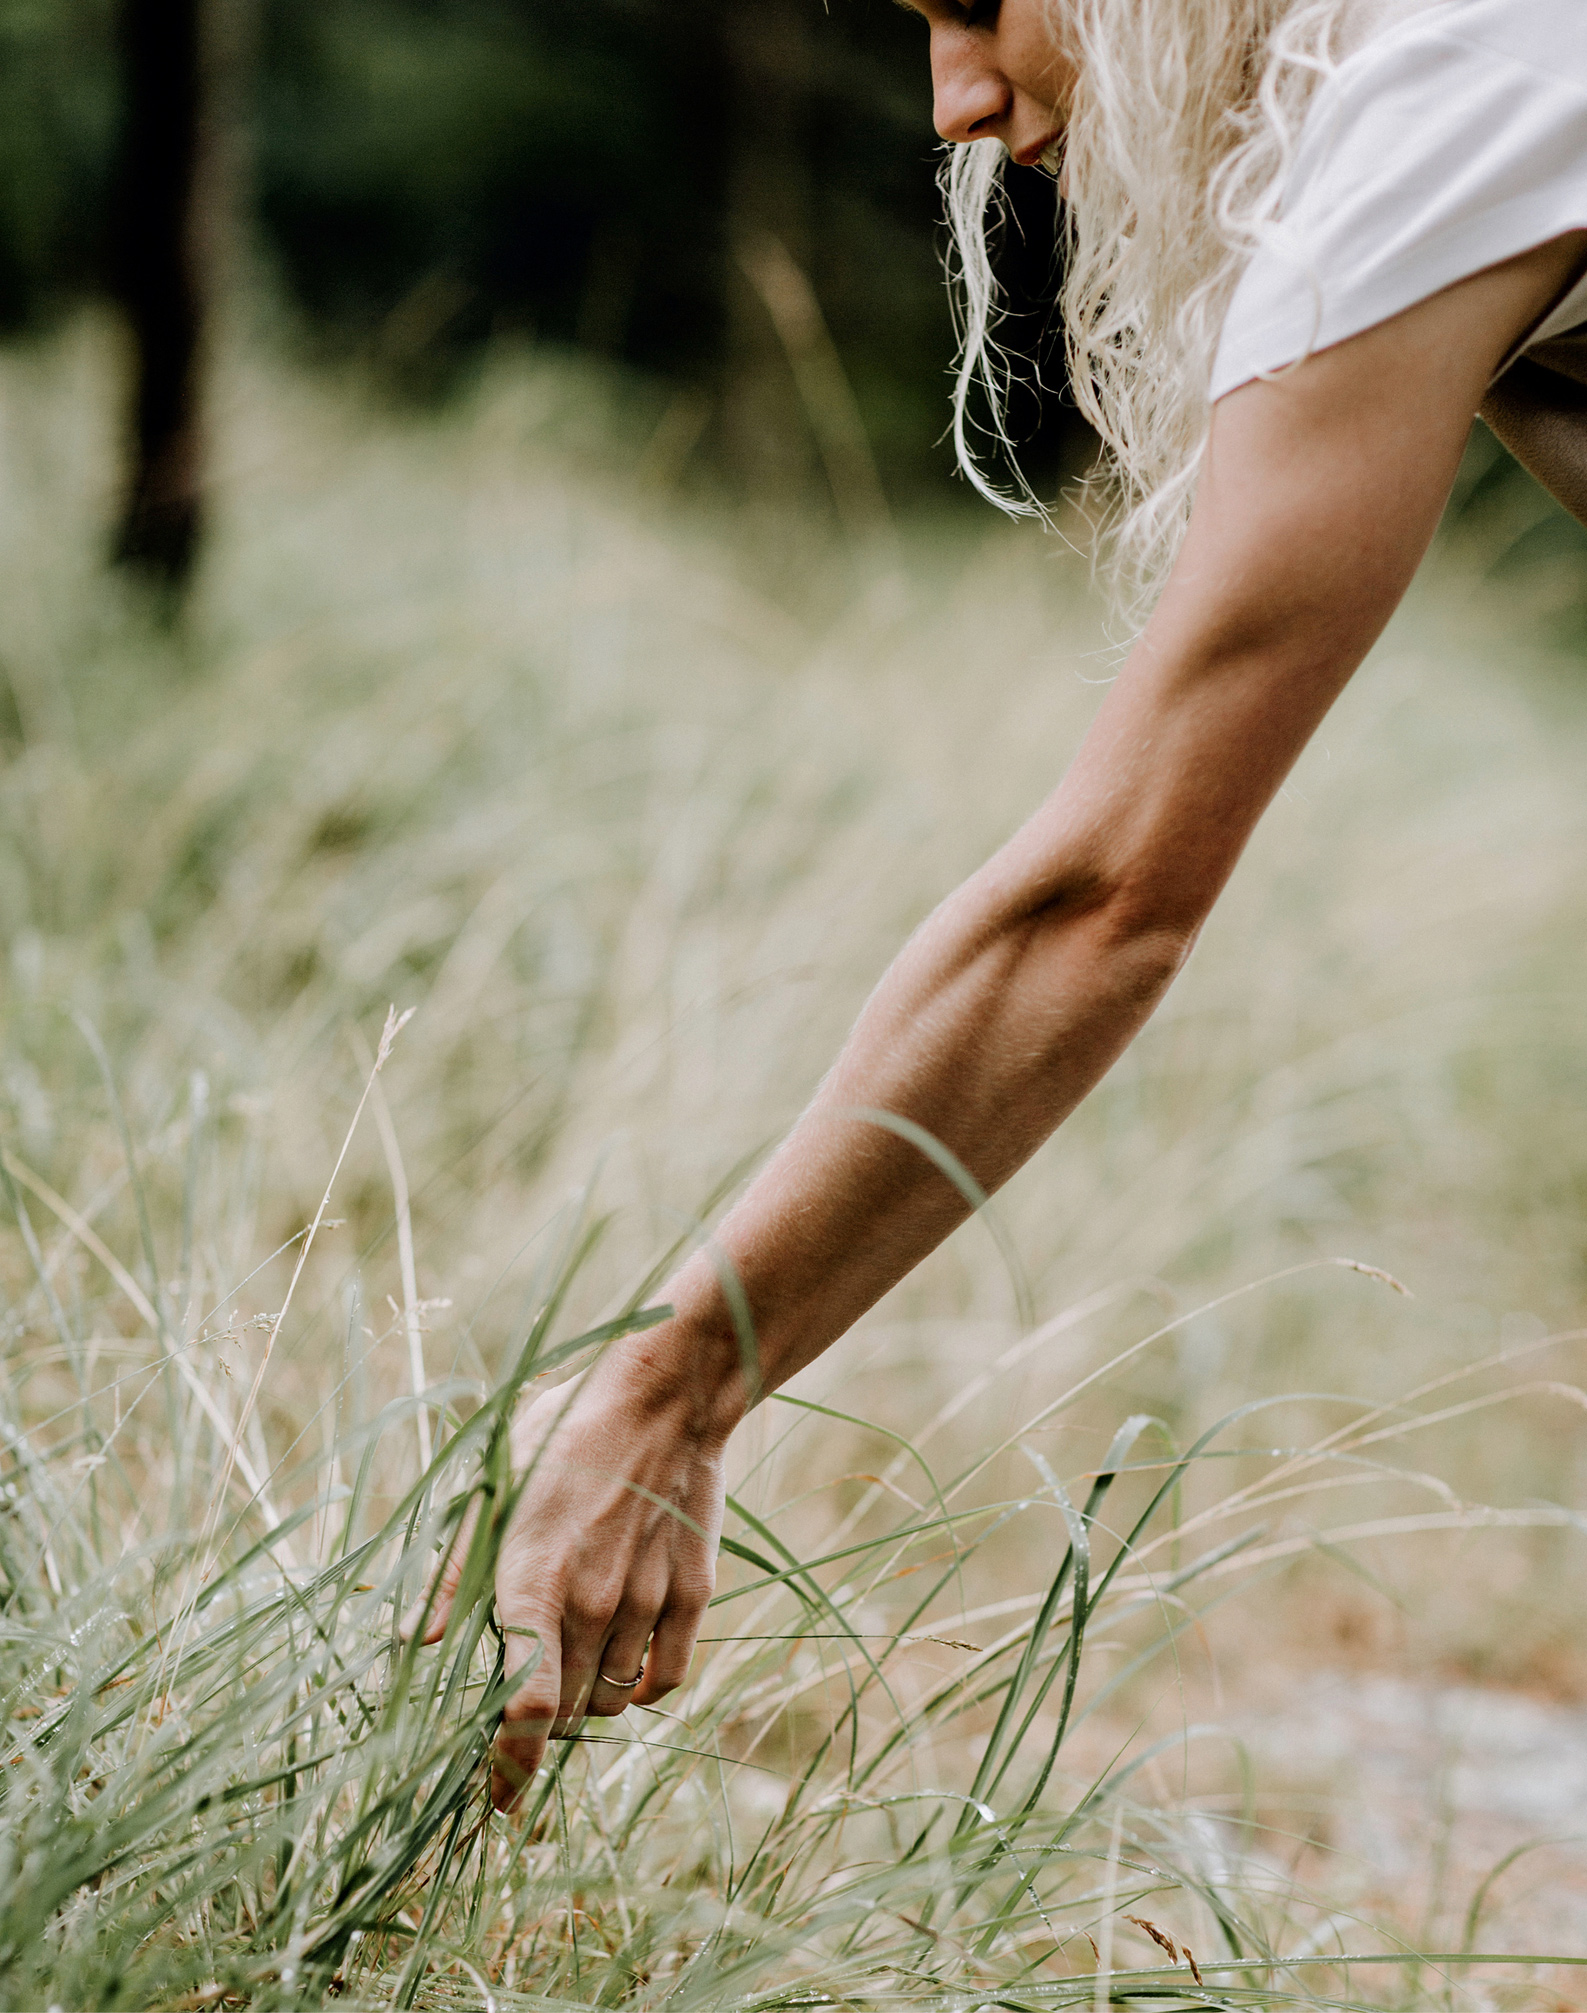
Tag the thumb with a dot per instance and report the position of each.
(431, 1614)
(433, 1609)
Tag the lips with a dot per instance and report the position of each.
(1043, 153)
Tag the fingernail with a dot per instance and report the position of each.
(507, 1792)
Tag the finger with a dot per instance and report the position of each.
(586, 1624)
(433, 1610)
(623, 1657)
(532, 1639)
(671, 1650)
(428, 1617)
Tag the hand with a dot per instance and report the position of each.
(610, 1556)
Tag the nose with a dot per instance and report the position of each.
(971, 97)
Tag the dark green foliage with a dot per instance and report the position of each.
(424, 173)
(430, 172)
(57, 128)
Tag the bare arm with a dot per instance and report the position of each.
(1319, 496)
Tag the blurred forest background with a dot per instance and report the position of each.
(728, 199)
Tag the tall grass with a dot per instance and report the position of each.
(630, 818)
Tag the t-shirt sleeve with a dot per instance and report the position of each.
(1449, 143)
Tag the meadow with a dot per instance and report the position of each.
(405, 960)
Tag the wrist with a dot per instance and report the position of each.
(688, 1370)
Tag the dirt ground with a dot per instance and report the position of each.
(1406, 1799)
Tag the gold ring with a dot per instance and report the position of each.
(623, 1684)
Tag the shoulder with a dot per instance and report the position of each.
(1452, 137)
(1480, 45)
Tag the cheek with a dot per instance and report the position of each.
(1033, 59)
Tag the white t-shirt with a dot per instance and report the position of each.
(1450, 140)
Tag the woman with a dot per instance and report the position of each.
(1307, 242)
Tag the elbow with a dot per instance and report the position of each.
(1139, 922)
(1148, 932)
(1118, 919)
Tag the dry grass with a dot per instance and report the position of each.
(631, 818)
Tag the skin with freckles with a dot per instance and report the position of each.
(1319, 493)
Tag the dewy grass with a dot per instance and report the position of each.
(633, 820)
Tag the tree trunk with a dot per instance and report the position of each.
(165, 230)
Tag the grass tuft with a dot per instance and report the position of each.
(626, 820)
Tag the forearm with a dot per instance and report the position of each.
(994, 1022)
(1005, 1009)
(1316, 500)
(1002, 1012)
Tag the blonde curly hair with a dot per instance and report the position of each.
(1183, 122)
